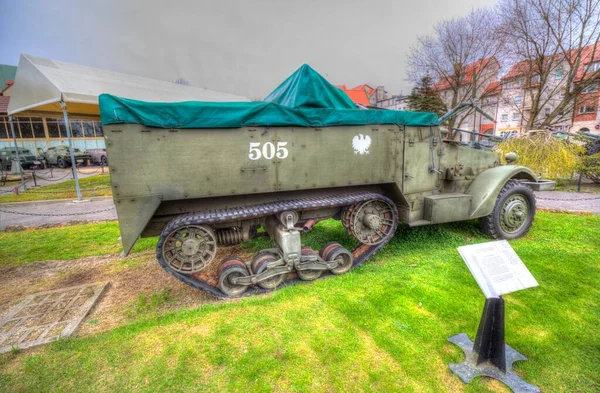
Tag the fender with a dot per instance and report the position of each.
(486, 186)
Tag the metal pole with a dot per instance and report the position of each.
(68, 127)
(12, 130)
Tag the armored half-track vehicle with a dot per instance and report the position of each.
(202, 175)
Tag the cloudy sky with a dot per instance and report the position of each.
(244, 47)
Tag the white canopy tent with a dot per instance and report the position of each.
(41, 84)
(44, 86)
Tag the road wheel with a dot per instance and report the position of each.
(84, 163)
(104, 161)
(260, 264)
(309, 275)
(61, 163)
(513, 212)
(333, 251)
(230, 269)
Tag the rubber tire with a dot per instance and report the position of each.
(62, 164)
(84, 163)
(103, 161)
(490, 224)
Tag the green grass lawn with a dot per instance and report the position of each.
(380, 328)
(92, 186)
(62, 243)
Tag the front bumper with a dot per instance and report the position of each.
(542, 185)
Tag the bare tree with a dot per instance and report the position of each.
(460, 55)
(550, 42)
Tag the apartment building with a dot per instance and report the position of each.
(480, 74)
(520, 86)
(395, 102)
(586, 115)
(509, 99)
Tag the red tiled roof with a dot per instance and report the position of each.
(519, 69)
(530, 67)
(492, 89)
(588, 55)
(469, 70)
(358, 96)
(4, 105)
(367, 89)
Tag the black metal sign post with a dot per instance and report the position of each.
(489, 355)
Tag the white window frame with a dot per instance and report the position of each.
(536, 79)
(504, 117)
(518, 99)
(583, 109)
(516, 116)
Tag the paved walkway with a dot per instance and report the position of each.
(568, 201)
(34, 214)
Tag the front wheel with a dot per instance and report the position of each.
(513, 212)
(61, 163)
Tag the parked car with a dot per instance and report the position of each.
(26, 156)
(61, 156)
(98, 156)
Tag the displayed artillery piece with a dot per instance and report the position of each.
(204, 175)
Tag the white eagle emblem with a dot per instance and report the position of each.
(361, 144)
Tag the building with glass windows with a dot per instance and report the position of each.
(40, 86)
(43, 131)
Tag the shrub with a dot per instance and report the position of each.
(544, 154)
(590, 167)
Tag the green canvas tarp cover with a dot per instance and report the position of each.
(305, 99)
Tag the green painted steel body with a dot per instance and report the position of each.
(157, 174)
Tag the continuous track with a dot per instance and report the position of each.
(361, 253)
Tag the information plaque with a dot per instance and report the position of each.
(497, 268)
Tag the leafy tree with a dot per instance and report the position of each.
(424, 98)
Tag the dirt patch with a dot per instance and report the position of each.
(130, 278)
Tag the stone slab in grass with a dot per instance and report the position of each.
(47, 316)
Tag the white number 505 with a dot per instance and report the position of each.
(268, 150)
